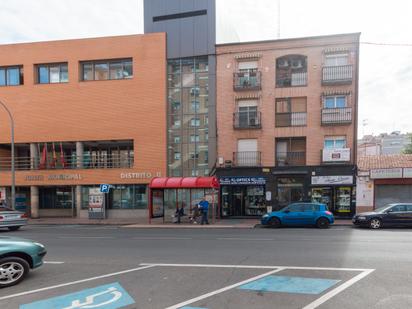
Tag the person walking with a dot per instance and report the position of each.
(204, 207)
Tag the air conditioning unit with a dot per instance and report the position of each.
(252, 122)
(297, 64)
(282, 63)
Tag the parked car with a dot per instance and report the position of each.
(397, 214)
(12, 219)
(300, 214)
(17, 257)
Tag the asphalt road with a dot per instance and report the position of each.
(341, 267)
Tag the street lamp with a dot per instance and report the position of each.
(13, 171)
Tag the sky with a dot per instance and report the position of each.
(385, 70)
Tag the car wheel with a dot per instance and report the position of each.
(12, 271)
(375, 223)
(14, 228)
(274, 222)
(322, 223)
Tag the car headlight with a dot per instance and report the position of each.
(361, 218)
(39, 244)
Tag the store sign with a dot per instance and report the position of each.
(141, 175)
(383, 173)
(54, 177)
(332, 180)
(96, 204)
(336, 155)
(407, 172)
(239, 180)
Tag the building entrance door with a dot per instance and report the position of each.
(238, 201)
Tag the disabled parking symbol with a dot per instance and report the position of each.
(109, 296)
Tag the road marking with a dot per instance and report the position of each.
(229, 287)
(86, 237)
(53, 262)
(337, 290)
(243, 239)
(162, 238)
(76, 282)
(255, 266)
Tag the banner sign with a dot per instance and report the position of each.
(240, 180)
(96, 204)
(382, 173)
(332, 180)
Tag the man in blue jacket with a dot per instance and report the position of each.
(204, 207)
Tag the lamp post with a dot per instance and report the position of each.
(13, 171)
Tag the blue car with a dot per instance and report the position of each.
(300, 214)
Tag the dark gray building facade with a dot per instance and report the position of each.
(191, 98)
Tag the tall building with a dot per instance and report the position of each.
(86, 112)
(287, 122)
(191, 81)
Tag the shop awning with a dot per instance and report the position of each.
(184, 182)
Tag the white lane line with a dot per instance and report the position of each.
(85, 237)
(162, 238)
(256, 266)
(229, 287)
(76, 282)
(53, 262)
(337, 290)
(243, 239)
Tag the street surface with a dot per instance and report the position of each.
(113, 267)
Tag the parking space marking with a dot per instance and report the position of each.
(163, 238)
(76, 282)
(53, 262)
(243, 239)
(338, 289)
(192, 308)
(227, 288)
(290, 284)
(85, 237)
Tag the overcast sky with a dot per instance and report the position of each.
(385, 71)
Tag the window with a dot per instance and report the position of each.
(335, 101)
(107, 69)
(295, 208)
(290, 112)
(11, 76)
(177, 156)
(52, 73)
(332, 142)
(194, 138)
(176, 139)
(195, 122)
(336, 60)
(195, 105)
(310, 207)
(398, 208)
(291, 71)
(194, 155)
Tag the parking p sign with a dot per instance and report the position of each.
(104, 188)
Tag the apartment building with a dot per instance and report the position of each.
(86, 112)
(287, 122)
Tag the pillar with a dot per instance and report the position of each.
(79, 154)
(34, 156)
(34, 201)
(78, 200)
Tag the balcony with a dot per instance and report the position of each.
(336, 155)
(68, 162)
(336, 116)
(247, 158)
(297, 79)
(243, 81)
(247, 120)
(291, 158)
(290, 119)
(341, 74)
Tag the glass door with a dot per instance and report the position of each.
(342, 200)
(323, 196)
(238, 201)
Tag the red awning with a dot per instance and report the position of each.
(183, 182)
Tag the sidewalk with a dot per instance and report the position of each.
(143, 223)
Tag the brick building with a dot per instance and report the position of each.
(86, 112)
(287, 122)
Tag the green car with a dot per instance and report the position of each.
(17, 257)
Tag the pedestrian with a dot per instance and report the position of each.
(180, 212)
(204, 207)
(195, 214)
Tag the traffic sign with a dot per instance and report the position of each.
(104, 188)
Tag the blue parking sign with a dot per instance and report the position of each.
(104, 188)
(108, 296)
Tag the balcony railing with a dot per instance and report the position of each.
(341, 74)
(293, 158)
(339, 115)
(247, 80)
(247, 158)
(67, 162)
(290, 119)
(247, 120)
(292, 79)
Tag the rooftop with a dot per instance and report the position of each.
(384, 161)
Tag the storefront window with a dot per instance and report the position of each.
(56, 198)
(290, 190)
(128, 197)
(343, 197)
(254, 201)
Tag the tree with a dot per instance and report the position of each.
(408, 148)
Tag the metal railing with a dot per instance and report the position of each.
(247, 158)
(290, 119)
(292, 79)
(337, 74)
(247, 80)
(338, 115)
(68, 162)
(290, 158)
(247, 120)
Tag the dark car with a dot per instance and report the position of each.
(397, 214)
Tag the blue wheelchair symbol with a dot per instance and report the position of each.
(104, 188)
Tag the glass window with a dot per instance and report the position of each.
(43, 75)
(87, 71)
(177, 156)
(409, 208)
(195, 122)
(64, 74)
(54, 74)
(194, 138)
(334, 142)
(140, 199)
(13, 76)
(116, 70)
(176, 139)
(101, 71)
(2, 77)
(398, 208)
(336, 60)
(335, 101)
(128, 69)
(295, 208)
